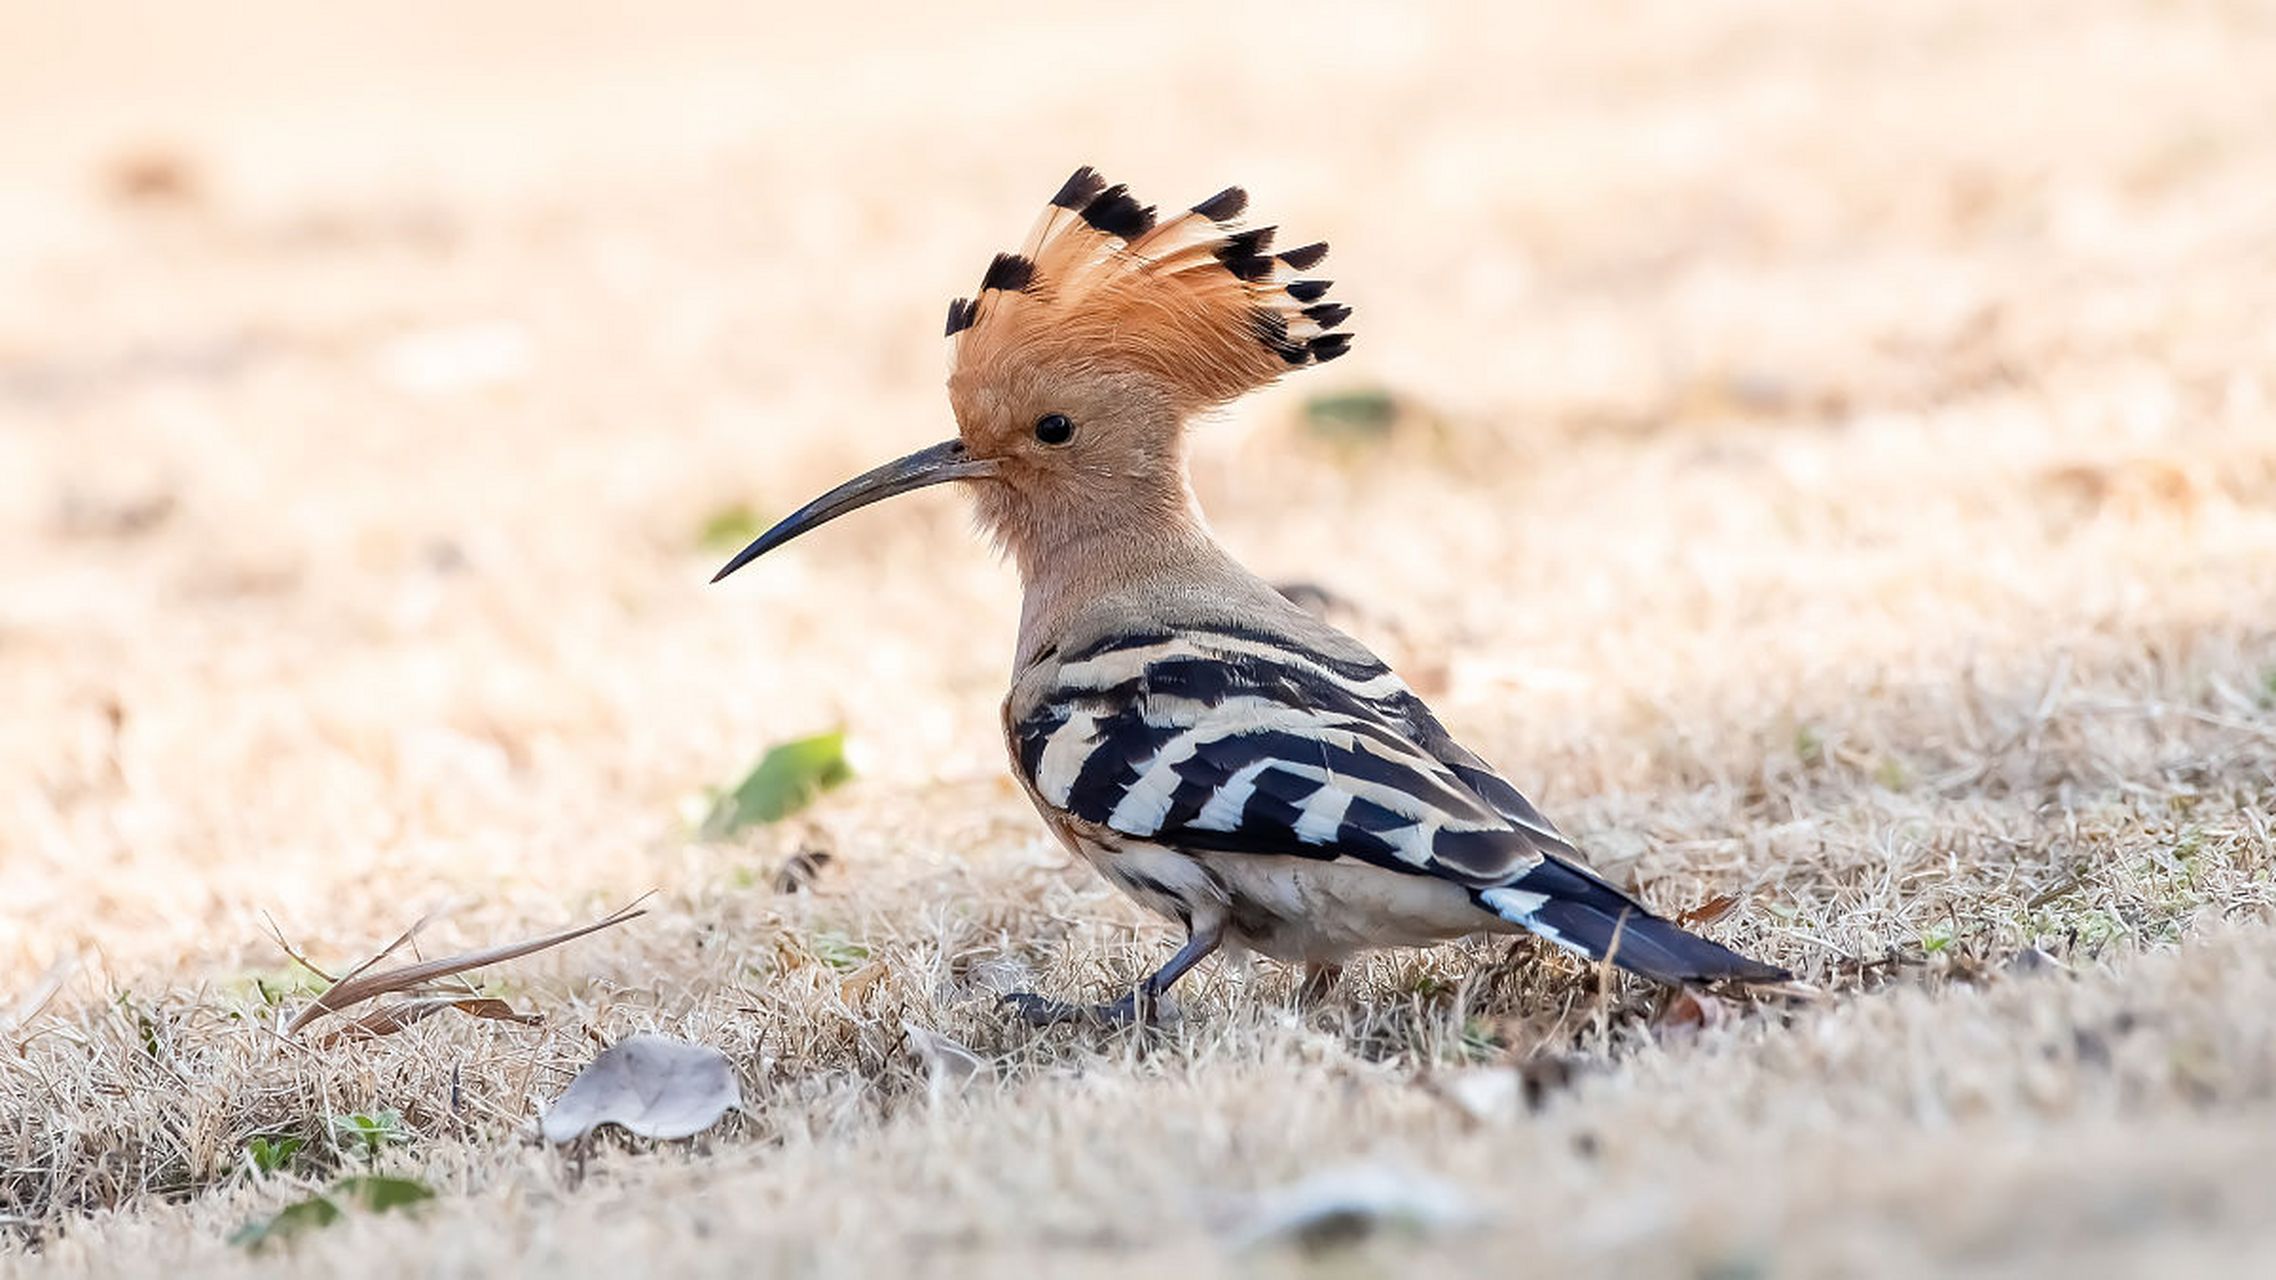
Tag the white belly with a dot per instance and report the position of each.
(1298, 910)
(1323, 912)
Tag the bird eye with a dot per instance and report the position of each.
(1054, 428)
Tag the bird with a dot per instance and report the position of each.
(1222, 756)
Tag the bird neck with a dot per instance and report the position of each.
(1075, 555)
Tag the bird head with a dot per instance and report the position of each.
(1082, 357)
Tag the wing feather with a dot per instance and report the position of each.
(1235, 739)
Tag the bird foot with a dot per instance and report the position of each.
(1130, 1010)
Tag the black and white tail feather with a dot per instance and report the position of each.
(1244, 737)
(1573, 908)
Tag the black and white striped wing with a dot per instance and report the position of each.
(1238, 740)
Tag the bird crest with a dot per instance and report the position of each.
(1192, 301)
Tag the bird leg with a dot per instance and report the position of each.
(1320, 982)
(1137, 1007)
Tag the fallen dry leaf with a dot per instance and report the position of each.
(359, 985)
(1707, 912)
(389, 1019)
(653, 1086)
(1690, 1010)
(855, 985)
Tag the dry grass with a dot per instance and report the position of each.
(1839, 472)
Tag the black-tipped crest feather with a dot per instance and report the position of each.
(1225, 206)
(1008, 271)
(1272, 330)
(961, 313)
(1161, 294)
(1245, 254)
(1117, 213)
(1080, 186)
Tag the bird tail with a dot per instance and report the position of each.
(1577, 911)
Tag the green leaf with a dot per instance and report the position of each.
(370, 1132)
(730, 528)
(370, 1193)
(273, 987)
(377, 1194)
(1481, 1040)
(784, 781)
(301, 1215)
(840, 952)
(272, 1154)
(144, 1027)
(1363, 416)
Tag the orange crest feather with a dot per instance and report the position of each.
(1204, 308)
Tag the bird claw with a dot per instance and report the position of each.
(1043, 1011)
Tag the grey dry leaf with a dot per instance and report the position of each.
(946, 1063)
(654, 1086)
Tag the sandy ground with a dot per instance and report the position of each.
(1836, 471)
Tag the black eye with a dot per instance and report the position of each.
(1054, 428)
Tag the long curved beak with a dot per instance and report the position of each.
(935, 465)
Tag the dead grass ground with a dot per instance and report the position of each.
(1840, 473)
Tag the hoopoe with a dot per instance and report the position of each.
(1220, 755)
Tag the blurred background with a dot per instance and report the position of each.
(380, 382)
(1826, 454)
